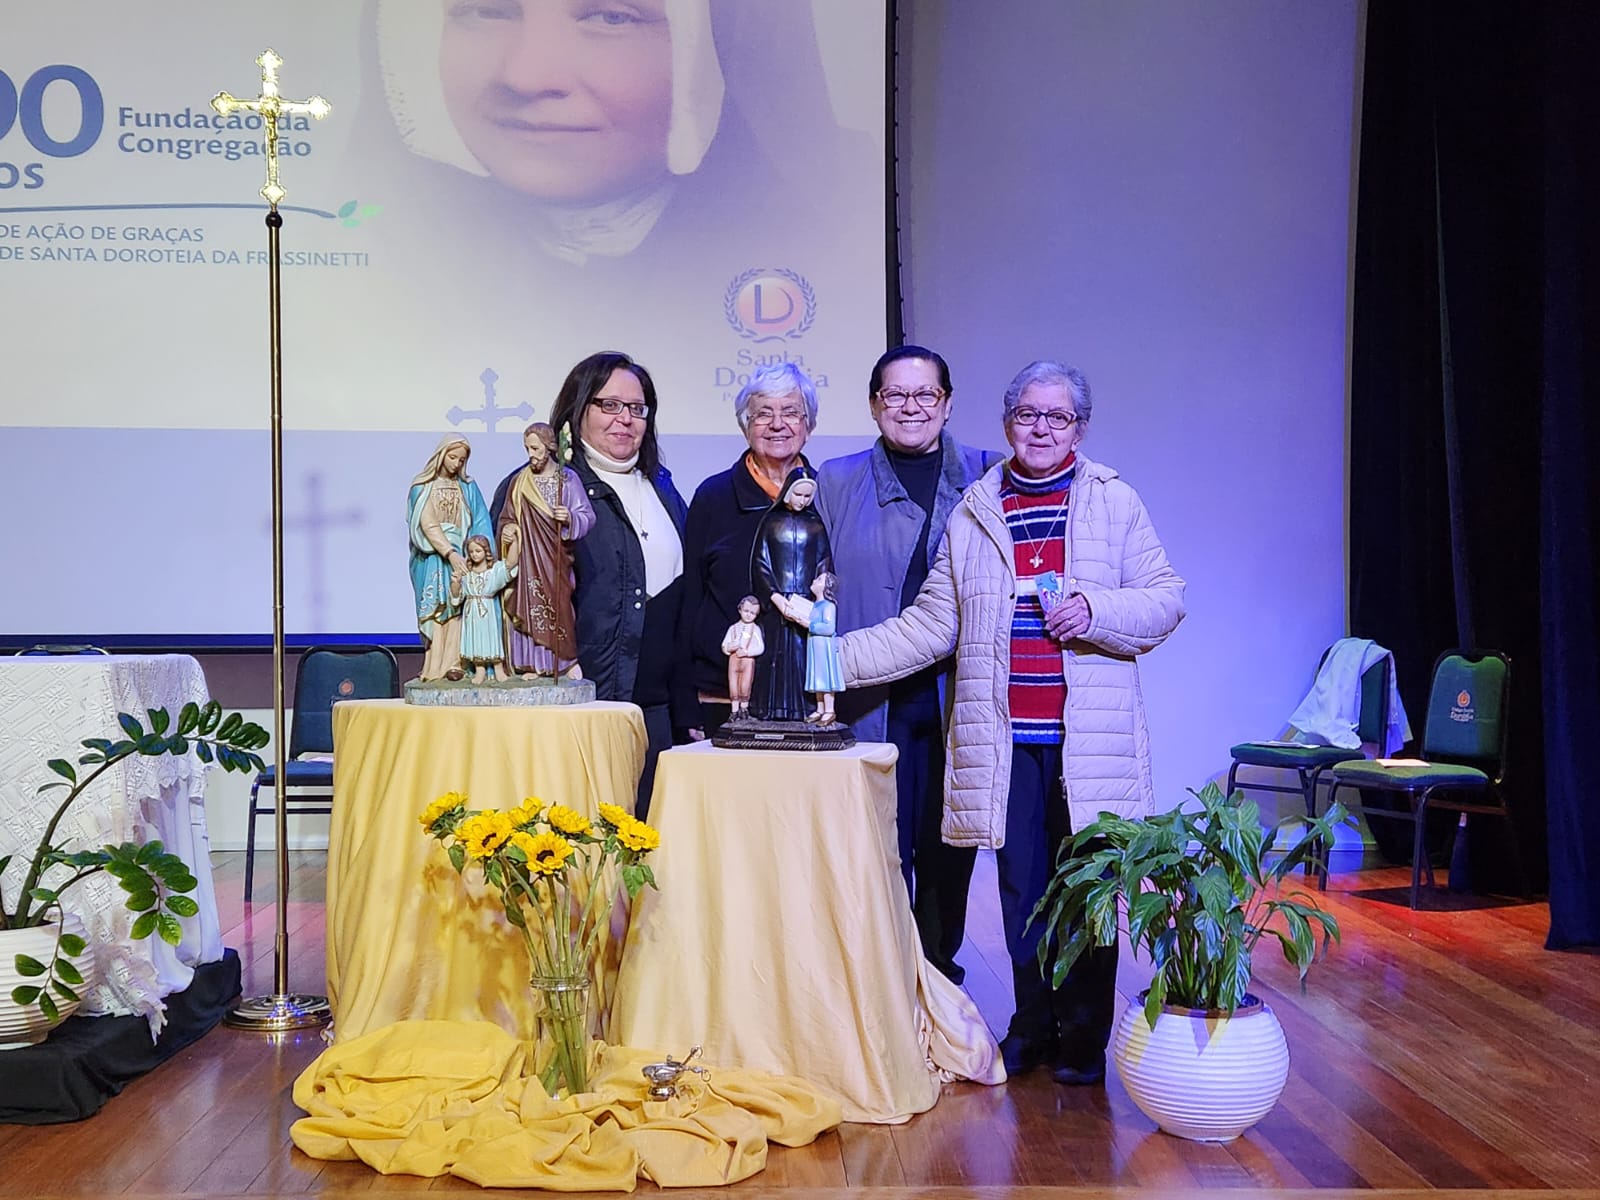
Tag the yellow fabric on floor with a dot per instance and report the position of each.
(462, 1098)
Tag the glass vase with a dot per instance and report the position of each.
(562, 1004)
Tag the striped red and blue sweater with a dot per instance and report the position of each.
(1036, 515)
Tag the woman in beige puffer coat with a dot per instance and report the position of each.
(1018, 786)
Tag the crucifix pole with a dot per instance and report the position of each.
(280, 1011)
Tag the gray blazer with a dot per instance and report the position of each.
(873, 526)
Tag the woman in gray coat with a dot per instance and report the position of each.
(886, 509)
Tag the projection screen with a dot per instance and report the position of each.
(503, 187)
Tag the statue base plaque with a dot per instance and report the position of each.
(751, 734)
(511, 693)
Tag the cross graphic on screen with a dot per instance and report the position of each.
(490, 413)
(316, 520)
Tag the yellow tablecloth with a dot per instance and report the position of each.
(436, 1097)
(407, 937)
(782, 938)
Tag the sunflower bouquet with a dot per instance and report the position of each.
(556, 872)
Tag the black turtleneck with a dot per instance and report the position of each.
(919, 475)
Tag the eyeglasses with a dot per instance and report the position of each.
(1056, 418)
(770, 416)
(925, 397)
(612, 407)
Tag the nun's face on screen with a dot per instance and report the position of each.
(567, 101)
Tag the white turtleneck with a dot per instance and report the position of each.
(658, 536)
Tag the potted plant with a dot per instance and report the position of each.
(39, 982)
(1195, 890)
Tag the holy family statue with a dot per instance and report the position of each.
(496, 616)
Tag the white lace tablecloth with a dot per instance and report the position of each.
(48, 705)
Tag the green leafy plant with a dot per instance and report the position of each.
(1195, 891)
(155, 881)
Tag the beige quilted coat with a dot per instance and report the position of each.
(1136, 599)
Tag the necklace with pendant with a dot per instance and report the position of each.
(634, 519)
(1037, 545)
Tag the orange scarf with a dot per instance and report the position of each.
(756, 473)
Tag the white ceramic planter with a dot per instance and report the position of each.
(25, 1025)
(1203, 1077)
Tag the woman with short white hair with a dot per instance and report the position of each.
(776, 411)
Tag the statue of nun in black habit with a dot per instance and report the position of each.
(790, 550)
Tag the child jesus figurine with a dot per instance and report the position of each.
(743, 644)
(477, 590)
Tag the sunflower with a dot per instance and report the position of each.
(547, 852)
(441, 806)
(524, 813)
(567, 820)
(524, 842)
(615, 815)
(636, 835)
(484, 833)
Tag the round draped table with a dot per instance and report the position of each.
(407, 937)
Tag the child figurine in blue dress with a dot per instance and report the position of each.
(824, 667)
(477, 591)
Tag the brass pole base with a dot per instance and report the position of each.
(274, 1014)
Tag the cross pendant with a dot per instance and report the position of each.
(1036, 561)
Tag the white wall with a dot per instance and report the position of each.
(1158, 192)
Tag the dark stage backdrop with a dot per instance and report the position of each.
(1473, 506)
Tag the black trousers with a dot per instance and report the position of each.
(1079, 1013)
(658, 735)
(713, 715)
(937, 876)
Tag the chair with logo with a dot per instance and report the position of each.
(1462, 762)
(327, 674)
(1311, 763)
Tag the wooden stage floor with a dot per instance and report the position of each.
(1440, 1051)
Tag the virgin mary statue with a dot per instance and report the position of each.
(443, 510)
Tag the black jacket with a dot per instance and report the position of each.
(716, 571)
(613, 616)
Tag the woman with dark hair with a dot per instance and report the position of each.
(886, 508)
(629, 567)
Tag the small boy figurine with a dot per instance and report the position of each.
(743, 644)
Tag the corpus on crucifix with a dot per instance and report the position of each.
(270, 106)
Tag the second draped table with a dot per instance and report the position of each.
(782, 938)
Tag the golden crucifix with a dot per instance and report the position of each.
(281, 1011)
(271, 106)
